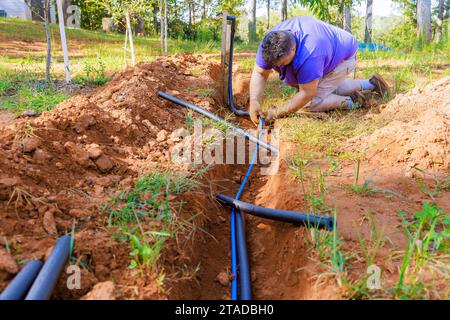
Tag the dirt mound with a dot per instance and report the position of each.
(57, 170)
(418, 131)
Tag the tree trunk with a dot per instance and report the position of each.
(368, 24)
(204, 10)
(268, 14)
(48, 58)
(440, 20)
(252, 21)
(161, 25)
(424, 20)
(165, 27)
(190, 15)
(141, 27)
(446, 16)
(155, 19)
(447, 10)
(283, 10)
(347, 19)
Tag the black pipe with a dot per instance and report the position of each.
(236, 111)
(46, 280)
(245, 282)
(306, 219)
(211, 115)
(19, 286)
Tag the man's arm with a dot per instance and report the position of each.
(306, 93)
(257, 85)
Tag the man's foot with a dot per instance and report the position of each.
(381, 86)
(359, 100)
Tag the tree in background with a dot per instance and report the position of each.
(348, 18)
(424, 20)
(92, 15)
(46, 18)
(283, 9)
(440, 20)
(368, 22)
(252, 21)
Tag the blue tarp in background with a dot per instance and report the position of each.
(372, 47)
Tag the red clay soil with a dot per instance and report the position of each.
(60, 168)
(417, 134)
(6, 118)
(420, 139)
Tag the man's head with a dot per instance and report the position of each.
(278, 48)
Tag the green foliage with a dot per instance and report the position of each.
(403, 36)
(117, 8)
(91, 14)
(5, 85)
(428, 234)
(439, 184)
(94, 74)
(431, 226)
(144, 217)
(327, 10)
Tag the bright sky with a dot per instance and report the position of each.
(380, 8)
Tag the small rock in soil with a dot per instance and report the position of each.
(263, 226)
(104, 164)
(80, 155)
(31, 113)
(49, 224)
(7, 262)
(94, 151)
(31, 144)
(223, 278)
(102, 291)
(77, 213)
(161, 136)
(6, 187)
(41, 155)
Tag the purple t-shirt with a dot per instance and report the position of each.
(320, 48)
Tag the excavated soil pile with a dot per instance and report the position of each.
(60, 168)
(418, 131)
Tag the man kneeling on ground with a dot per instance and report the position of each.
(315, 57)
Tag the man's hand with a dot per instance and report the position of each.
(270, 114)
(255, 111)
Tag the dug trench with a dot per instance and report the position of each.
(59, 172)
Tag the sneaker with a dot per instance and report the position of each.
(381, 86)
(359, 100)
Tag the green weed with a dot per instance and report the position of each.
(428, 234)
(144, 216)
(439, 184)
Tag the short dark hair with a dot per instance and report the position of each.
(276, 45)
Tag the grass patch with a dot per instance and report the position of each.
(39, 97)
(246, 65)
(326, 134)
